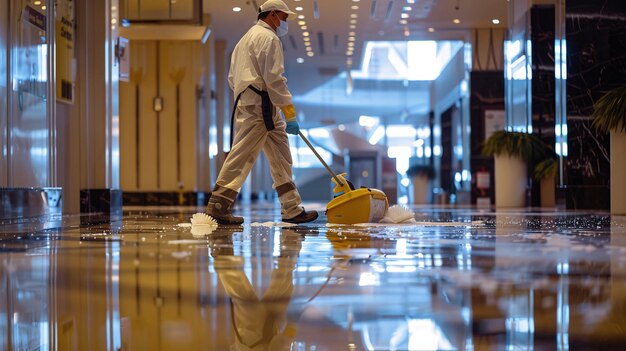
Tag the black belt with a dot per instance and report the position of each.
(266, 106)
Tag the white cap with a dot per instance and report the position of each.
(277, 5)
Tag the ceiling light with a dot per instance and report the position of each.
(404, 21)
(351, 44)
(352, 21)
(352, 34)
(43, 7)
(299, 8)
(299, 60)
(456, 21)
(306, 34)
(236, 9)
(310, 54)
(356, 0)
(304, 27)
(300, 16)
(306, 39)
(37, 2)
(352, 26)
(350, 38)
(431, 29)
(349, 53)
(354, 15)
(404, 15)
(495, 21)
(307, 43)
(301, 23)
(308, 48)
(407, 8)
(410, 1)
(355, 7)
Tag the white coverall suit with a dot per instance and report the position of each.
(258, 61)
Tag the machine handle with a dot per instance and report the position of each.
(339, 182)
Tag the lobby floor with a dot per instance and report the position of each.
(459, 279)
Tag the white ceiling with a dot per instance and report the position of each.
(329, 32)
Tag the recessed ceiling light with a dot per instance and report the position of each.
(495, 21)
(352, 21)
(301, 23)
(43, 7)
(304, 27)
(306, 39)
(236, 9)
(299, 60)
(308, 48)
(299, 8)
(431, 29)
(356, 0)
(306, 34)
(310, 54)
(355, 7)
(407, 8)
(351, 44)
(300, 16)
(456, 21)
(403, 21)
(354, 15)
(404, 15)
(352, 26)
(352, 34)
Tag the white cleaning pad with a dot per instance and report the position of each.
(398, 214)
(202, 224)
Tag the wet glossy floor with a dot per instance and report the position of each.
(461, 279)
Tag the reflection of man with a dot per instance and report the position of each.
(260, 323)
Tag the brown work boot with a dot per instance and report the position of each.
(304, 217)
(219, 209)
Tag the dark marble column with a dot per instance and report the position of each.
(596, 55)
(486, 102)
(542, 26)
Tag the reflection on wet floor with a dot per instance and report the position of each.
(459, 279)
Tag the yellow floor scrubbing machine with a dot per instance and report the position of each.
(350, 205)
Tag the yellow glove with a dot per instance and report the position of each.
(289, 112)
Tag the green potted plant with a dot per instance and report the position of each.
(421, 175)
(515, 155)
(609, 116)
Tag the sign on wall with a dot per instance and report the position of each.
(65, 61)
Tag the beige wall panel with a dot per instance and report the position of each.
(188, 126)
(147, 122)
(128, 129)
(155, 9)
(167, 118)
(488, 48)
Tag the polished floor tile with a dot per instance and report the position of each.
(459, 279)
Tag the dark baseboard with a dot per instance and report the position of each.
(165, 198)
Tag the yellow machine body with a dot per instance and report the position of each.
(362, 205)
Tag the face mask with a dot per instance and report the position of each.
(282, 28)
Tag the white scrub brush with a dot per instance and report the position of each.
(202, 224)
(203, 219)
(398, 214)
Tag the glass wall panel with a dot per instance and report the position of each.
(4, 9)
(518, 69)
(28, 150)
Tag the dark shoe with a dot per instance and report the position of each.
(219, 210)
(304, 217)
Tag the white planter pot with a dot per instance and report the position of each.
(548, 191)
(421, 190)
(618, 173)
(511, 181)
